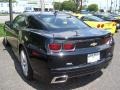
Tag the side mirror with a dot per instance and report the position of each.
(8, 23)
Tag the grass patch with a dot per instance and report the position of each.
(1, 30)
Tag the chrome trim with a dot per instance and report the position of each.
(64, 79)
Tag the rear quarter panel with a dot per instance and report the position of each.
(109, 26)
(36, 42)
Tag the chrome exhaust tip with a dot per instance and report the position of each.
(59, 79)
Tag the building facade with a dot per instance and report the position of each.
(37, 4)
(4, 7)
(26, 5)
(18, 6)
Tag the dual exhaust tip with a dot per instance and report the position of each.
(59, 79)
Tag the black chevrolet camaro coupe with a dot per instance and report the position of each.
(57, 46)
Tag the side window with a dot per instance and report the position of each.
(34, 24)
(85, 19)
(19, 22)
(88, 19)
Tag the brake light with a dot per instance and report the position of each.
(69, 47)
(98, 26)
(55, 47)
(102, 25)
(114, 24)
(107, 40)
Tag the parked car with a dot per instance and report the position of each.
(57, 46)
(29, 9)
(84, 12)
(96, 22)
(109, 18)
(117, 16)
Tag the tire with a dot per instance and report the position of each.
(5, 42)
(25, 65)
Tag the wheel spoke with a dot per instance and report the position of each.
(24, 63)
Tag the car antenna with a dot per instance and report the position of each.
(76, 33)
(53, 37)
(55, 13)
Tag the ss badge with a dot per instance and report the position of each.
(69, 64)
(93, 44)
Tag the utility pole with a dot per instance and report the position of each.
(81, 2)
(42, 4)
(10, 11)
(116, 6)
(119, 5)
(111, 6)
(107, 5)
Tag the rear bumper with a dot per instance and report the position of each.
(54, 66)
(81, 70)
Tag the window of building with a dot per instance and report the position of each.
(8, 5)
(1, 5)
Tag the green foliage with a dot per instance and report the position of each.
(1, 30)
(93, 7)
(84, 7)
(68, 5)
(7, 0)
(57, 5)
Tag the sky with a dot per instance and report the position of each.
(103, 4)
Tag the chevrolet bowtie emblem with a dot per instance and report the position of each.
(93, 44)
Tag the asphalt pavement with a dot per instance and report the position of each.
(11, 77)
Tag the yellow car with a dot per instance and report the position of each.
(97, 22)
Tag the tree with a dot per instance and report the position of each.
(68, 5)
(93, 7)
(78, 4)
(57, 5)
(7, 0)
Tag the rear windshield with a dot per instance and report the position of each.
(105, 17)
(62, 21)
(94, 18)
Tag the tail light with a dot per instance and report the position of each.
(69, 47)
(55, 47)
(107, 40)
(98, 26)
(102, 25)
(114, 24)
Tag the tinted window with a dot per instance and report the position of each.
(104, 17)
(109, 17)
(19, 22)
(62, 21)
(92, 18)
(34, 24)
